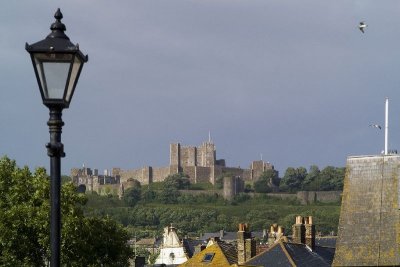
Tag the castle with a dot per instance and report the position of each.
(198, 163)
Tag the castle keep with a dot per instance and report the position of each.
(199, 163)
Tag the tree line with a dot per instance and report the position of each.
(299, 179)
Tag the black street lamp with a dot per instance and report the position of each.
(57, 63)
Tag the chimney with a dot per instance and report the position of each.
(299, 231)
(246, 245)
(310, 232)
(265, 233)
(221, 234)
(275, 234)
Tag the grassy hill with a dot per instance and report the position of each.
(204, 213)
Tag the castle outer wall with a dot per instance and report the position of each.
(198, 163)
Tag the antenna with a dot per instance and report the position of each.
(209, 136)
(261, 156)
(386, 124)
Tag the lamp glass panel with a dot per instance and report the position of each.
(76, 66)
(52, 69)
(56, 75)
(39, 69)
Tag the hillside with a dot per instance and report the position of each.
(205, 213)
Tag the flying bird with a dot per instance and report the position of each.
(376, 126)
(361, 26)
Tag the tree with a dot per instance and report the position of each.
(178, 180)
(169, 194)
(311, 182)
(132, 196)
(293, 179)
(331, 178)
(265, 182)
(148, 195)
(25, 218)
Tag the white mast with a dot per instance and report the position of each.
(386, 124)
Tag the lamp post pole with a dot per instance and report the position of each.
(57, 63)
(55, 150)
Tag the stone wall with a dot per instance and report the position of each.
(232, 186)
(188, 156)
(369, 224)
(202, 174)
(206, 155)
(143, 175)
(159, 174)
(174, 154)
(247, 175)
(107, 189)
(309, 197)
(258, 168)
(281, 195)
(191, 172)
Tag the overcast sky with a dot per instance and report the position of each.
(295, 81)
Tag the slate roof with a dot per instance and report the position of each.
(275, 256)
(293, 254)
(228, 236)
(190, 245)
(230, 251)
(326, 241)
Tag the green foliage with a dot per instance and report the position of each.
(219, 182)
(293, 179)
(148, 195)
(311, 182)
(331, 178)
(65, 179)
(178, 181)
(132, 195)
(95, 200)
(209, 213)
(201, 186)
(199, 199)
(265, 181)
(169, 195)
(170, 192)
(24, 224)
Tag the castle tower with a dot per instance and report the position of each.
(369, 224)
(175, 157)
(206, 155)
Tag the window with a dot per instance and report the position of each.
(208, 257)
